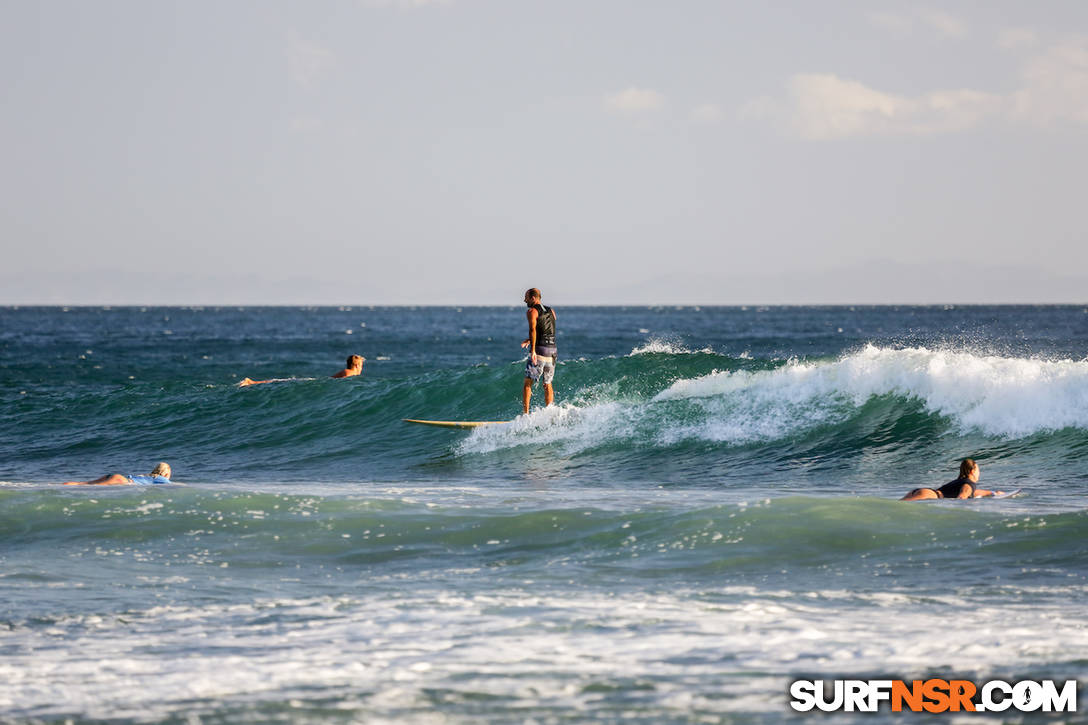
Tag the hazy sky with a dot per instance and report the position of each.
(416, 151)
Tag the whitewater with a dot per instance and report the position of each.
(708, 512)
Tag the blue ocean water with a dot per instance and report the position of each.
(707, 512)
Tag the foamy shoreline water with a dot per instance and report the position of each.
(708, 512)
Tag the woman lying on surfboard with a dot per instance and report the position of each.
(354, 367)
(159, 474)
(962, 487)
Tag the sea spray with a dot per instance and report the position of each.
(708, 512)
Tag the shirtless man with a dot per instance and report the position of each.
(354, 367)
(542, 349)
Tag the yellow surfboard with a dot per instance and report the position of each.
(455, 423)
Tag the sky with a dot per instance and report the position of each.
(607, 151)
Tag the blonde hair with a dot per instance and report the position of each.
(161, 469)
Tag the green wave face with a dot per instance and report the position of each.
(651, 416)
(707, 513)
(802, 534)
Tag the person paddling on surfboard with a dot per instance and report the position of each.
(354, 367)
(159, 474)
(962, 487)
(542, 349)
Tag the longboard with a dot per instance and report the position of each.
(455, 423)
(1007, 494)
(244, 384)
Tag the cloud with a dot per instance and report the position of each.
(1017, 38)
(708, 113)
(1055, 85)
(634, 100)
(904, 23)
(945, 24)
(306, 124)
(821, 106)
(306, 61)
(825, 106)
(891, 21)
(404, 4)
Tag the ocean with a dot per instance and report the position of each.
(707, 513)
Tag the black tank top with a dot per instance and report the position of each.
(952, 488)
(545, 326)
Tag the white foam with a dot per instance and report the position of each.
(385, 649)
(663, 346)
(582, 427)
(1011, 397)
(1000, 396)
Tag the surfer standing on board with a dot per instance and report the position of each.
(542, 350)
(962, 487)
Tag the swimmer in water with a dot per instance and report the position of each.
(354, 367)
(962, 487)
(159, 474)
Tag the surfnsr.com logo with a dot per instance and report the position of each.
(933, 695)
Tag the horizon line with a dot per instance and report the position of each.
(107, 305)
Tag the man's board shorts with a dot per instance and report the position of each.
(148, 480)
(544, 370)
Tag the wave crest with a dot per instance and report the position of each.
(1008, 397)
(997, 396)
(663, 346)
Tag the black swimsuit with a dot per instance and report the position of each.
(952, 489)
